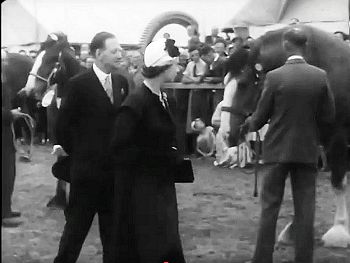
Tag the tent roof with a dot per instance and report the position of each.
(19, 26)
(82, 19)
(267, 12)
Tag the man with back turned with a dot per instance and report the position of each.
(296, 99)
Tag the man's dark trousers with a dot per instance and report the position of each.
(303, 177)
(88, 196)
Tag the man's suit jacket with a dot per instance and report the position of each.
(7, 119)
(296, 99)
(86, 118)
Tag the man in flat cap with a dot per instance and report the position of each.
(296, 99)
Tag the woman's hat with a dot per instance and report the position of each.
(156, 54)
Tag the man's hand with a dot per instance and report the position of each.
(16, 113)
(58, 151)
(244, 129)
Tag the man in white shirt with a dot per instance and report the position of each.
(195, 69)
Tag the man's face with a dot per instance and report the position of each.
(110, 56)
(194, 55)
(209, 58)
(215, 32)
(219, 48)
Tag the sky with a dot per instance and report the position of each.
(81, 19)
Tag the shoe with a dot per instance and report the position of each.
(11, 222)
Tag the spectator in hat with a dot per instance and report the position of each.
(146, 214)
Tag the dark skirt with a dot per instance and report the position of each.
(146, 217)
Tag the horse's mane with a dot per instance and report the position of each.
(70, 62)
(18, 69)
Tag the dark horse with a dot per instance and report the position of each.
(332, 55)
(54, 66)
(16, 73)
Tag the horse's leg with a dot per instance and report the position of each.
(338, 235)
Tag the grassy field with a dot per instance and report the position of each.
(218, 217)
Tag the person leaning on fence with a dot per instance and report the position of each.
(195, 69)
(296, 98)
(84, 127)
(146, 214)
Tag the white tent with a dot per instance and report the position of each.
(264, 15)
(18, 26)
(81, 19)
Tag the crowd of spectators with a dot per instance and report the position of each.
(198, 62)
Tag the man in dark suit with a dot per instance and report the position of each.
(296, 99)
(84, 129)
(9, 218)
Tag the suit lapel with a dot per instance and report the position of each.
(98, 87)
(117, 96)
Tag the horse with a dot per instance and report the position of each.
(54, 66)
(328, 53)
(16, 73)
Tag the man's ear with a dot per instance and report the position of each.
(98, 52)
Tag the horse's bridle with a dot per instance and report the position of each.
(51, 74)
(40, 77)
(241, 113)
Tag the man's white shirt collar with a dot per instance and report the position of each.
(101, 75)
(295, 57)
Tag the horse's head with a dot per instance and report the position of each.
(242, 89)
(49, 57)
(264, 54)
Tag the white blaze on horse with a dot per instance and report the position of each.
(324, 51)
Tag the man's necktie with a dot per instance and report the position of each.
(163, 99)
(108, 88)
(195, 71)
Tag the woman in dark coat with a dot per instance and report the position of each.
(146, 215)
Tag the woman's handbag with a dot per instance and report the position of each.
(61, 168)
(183, 172)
